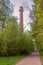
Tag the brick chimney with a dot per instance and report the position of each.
(21, 17)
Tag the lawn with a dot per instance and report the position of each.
(10, 60)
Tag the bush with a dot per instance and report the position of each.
(21, 45)
(39, 43)
(13, 42)
(12, 48)
(3, 45)
(25, 45)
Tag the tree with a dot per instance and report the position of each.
(6, 10)
(8, 37)
(38, 24)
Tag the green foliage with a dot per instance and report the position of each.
(11, 35)
(38, 24)
(25, 44)
(13, 42)
(6, 10)
(3, 46)
(22, 45)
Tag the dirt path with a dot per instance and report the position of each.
(33, 59)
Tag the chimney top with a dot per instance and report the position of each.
(21, 8)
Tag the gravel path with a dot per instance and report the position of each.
(33, 59)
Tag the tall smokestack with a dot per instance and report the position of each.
(21, 18)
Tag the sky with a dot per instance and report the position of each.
(26, 19)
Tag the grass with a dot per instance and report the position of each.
(12, 60)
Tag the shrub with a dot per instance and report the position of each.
(12, 46)
(13, 41)
(25, 45)
(3, 45)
